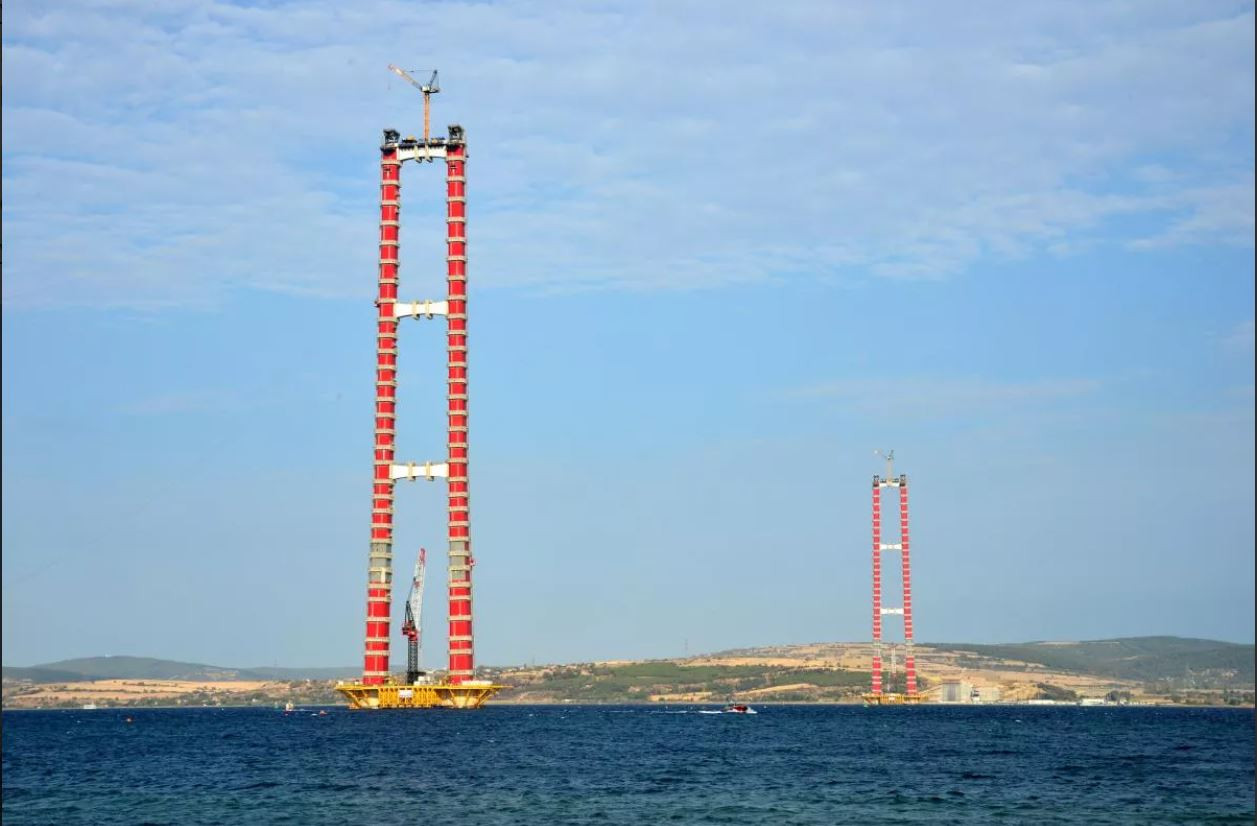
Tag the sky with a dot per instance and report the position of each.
(719, 254)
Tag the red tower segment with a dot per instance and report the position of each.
(877, 586)
(462, 657)
(909, 663)
(375, 668)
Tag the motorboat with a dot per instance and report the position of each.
(739, 709)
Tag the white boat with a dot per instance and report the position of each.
(289, 706)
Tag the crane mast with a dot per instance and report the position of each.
(429, 89)
(413, 625)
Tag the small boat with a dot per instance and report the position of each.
(289, 707)
(739, 709)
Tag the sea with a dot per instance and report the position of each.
(510, 764)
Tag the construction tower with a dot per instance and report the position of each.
(877, 695)
(379, 689)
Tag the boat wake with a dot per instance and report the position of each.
(731, 710)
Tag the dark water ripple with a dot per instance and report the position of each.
(621, 765)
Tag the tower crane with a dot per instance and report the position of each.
(890, 462)
(429, 89)
(413, 626)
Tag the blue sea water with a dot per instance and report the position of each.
(630, 764)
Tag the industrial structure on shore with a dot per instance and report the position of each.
(378, 688)
(877, 695)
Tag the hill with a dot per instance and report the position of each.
(39, 674)
(148, 668)
(1132, 658)
(1168, 668)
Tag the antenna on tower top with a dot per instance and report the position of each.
(429, 89)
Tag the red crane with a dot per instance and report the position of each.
(413, 625)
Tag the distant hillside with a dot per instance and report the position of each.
(1161, 669)
(669, 681)
(820, 671)
(148, 668)
(39, 674)
(1143, 659)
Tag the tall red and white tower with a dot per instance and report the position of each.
(378, 688)
(879, 610)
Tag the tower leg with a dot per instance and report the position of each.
(909, 662)
(461, 649)
(877, 586)
(375, 667)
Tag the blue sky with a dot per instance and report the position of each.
(719, 254)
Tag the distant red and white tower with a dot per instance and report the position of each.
(879, 548)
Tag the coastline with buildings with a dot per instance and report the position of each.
(1169, 671)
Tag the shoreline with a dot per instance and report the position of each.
(586, 704)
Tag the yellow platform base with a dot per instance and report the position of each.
(890, 699)
(431, 695)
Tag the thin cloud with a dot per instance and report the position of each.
(202, 147)
(1217, 213)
